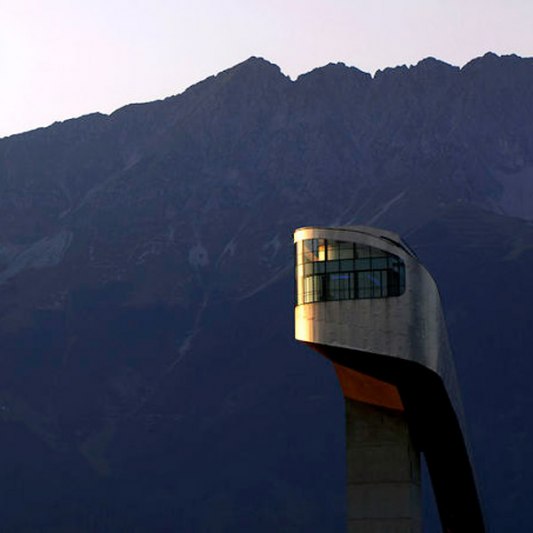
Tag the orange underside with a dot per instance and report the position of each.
(366, 389)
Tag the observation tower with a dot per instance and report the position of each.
(364, 301)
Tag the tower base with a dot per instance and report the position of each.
(383, 471)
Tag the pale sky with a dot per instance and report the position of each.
(61, 59)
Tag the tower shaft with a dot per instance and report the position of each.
(383, 471)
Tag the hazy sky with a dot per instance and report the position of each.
(64, 58)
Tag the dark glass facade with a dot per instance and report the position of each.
(329, 270)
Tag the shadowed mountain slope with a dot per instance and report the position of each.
(149, 379)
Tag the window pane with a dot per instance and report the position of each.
(333, 287)
(364, 286)
(319, 267)
(319, 288)
(308, 253)
(308, 289)
(362, 251)
(347, 265)
(346, 250)
(362, 264)
(338, 286)
(313, 250)
(376, 252)
(333, 250)
(321, 249)
(332, 266)
(384, 284)
(379, 263)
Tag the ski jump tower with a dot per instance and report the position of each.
(365, 302)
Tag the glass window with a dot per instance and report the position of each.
(362, 251)
(346, 250)
(362, 264)
(337, 270)
(376, 252)
(308, 289)
(309, 250)
(333, 250)
(340, 286)
(314, 250)
(384, 283)
(319, 267)
(346, 265)
(364, 285)
(379, 263)
(332, 266)
(321, 249)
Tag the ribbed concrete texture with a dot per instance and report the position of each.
(383, 471)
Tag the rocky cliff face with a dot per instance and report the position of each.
(148, 374)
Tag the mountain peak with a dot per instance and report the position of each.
(335, 76)
(501, 69)
(490, 58)
(427, 67)
(434, 64)
(256, 66)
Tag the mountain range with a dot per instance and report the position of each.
(149, 380)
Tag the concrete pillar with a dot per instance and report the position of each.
(383, 471)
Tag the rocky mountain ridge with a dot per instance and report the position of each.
(145, 275)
